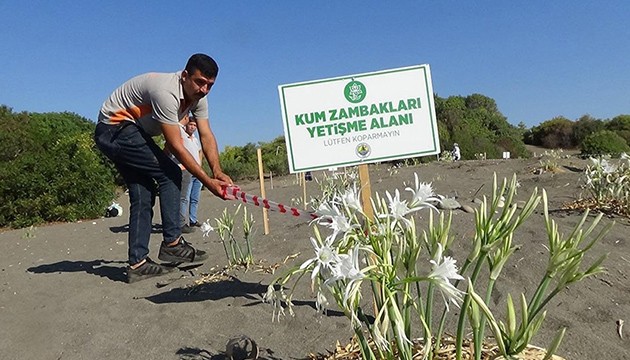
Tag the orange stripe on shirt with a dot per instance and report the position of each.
(133, 113)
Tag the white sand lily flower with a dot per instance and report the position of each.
(423, 194)
(271, 297)
(206, 228)
(322, 302)
(609, 168)
(326, 211)
(350, 198)
(596, 161)
(350, 270)
(604, 165)
(340, 224)
(399, 325)
(325, 259)
(398, 209)
(331, 216)
(380, 340)
(444, 270)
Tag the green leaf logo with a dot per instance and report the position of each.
(354, 91)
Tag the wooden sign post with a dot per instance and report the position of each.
(366, 191)
(303, 177)
(261, 176)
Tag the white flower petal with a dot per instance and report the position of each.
(444, 270)
(206, 228)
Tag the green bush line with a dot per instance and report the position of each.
(51, 171)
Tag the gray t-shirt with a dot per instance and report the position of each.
(149, 100)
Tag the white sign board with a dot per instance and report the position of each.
(359, 119)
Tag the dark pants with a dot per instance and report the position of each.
(146, 170)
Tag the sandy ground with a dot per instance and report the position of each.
(63, 295)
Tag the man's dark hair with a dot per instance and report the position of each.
(203, 63)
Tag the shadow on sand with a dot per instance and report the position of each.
(155, 229)
(192, 353)
(229, 288)
(94, 267)
(211, 291)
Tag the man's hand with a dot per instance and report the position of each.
(218, 188)
(223, 177)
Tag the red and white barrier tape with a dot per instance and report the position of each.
(238, 194)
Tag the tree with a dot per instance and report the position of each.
(585, 126)
(554, 133)
(15, 135)
(477, 125)
(621, 126)
(240, 162)
(478, 101)
(450, 111)
(274, 156)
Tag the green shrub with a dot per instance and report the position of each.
(516, 147)
(604, 142)
(49, 173)
(473, 138)
(553, 134)
(239, 170)
(621, 126)
(274, 156)
(585, 126)
(66, 184)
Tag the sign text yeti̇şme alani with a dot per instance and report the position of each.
(362, 118)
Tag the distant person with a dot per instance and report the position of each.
(192, 144)
(145, 106)
(195, 195)
(455, 153)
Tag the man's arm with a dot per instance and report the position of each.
(175, 145)
(210, 149)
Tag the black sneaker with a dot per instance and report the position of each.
(147, 270)
(182, 252)
(195, 224)
(188, 229)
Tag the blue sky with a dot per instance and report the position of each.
(537, 59)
